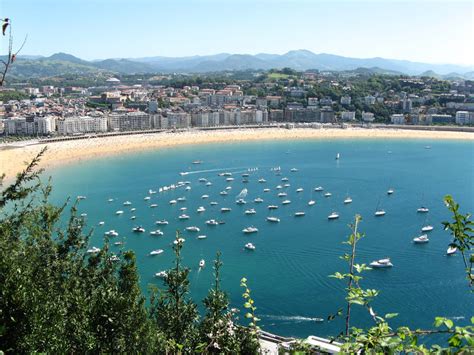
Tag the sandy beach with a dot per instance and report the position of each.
(13, 160)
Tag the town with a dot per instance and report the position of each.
(130, 103)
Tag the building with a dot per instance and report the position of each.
(313, 101)
(81, 125)
(347, 116)
(462, 117)
(368, 116)
(29, 126)
(369, 100)
(440, 119)
(407, 105)
(345, 100)
(129, 121)
(327, 115)
(397, 118)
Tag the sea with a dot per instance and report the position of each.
(288, 272)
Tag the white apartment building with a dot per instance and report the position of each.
(397, 118)
(30, 126)
(348, 115)
(367, 116)
(462, 117)
(346, 100)
(129, 121)
(81, 125)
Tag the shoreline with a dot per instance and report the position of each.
(70, 151)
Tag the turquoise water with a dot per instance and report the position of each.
(288, 271)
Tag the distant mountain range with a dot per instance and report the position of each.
(62, 63)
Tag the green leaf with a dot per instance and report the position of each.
(247, 305)
(448, 323)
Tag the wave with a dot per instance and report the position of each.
(296, 319)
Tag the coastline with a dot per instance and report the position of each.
(13, 160)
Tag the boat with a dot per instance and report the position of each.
(118, 243)
(240, 201)
(133, 209)
(423, 209)
(162, 222)
(172, 202)
(284, 179)
(183, 208)
(197, 162)
(381, 263)
(119, 212)
(266, 190)
(93, 250)
(193, 229)
(245, 181)
(127, 203)
(421, 239)
(319, 188)
(348, 200)
(245, 175)
(212, 222)
(228, 188)
(451, 250)
(250, 211)
(147, 198)
(201, 236)
(200, 209)
(101, 223)
(225, 209)
(111, 233)
(333, 215)
(286, 185)
(338, 156)
(80, 197)
(204, 196)
(181, 199)
(272, 207)
(151, 192)
(157, 232)
(282, 194)
(202, 263)
(327, 194)
(390, 191)
(208, 183)
(110, 200)
(293, 170)
(258, 200)
(138, 229)
(279, 187)
(249, 246)
(179, 241)
(187, 188)
(202, 180)
(183, 216)
(161, 274)
(299, 189)
(311, 202)
(133, 218)
(153, 205)
(379, 213)
(299, 214)
(229, 179)
(286, 202)
(427, 228)
(223, 193)
(156, 252)
(249, 230)
(273, 219)
(213, 203)
(83, 214)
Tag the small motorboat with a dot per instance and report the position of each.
(110, 200)
(201, 209)
(319, 188)
(229, 179)
(282, 194)
(421, 239)
(202, 263)
(249, 246)
(262, 180)
(213, 203)
(348, 200)
(293, 170)
(333, 215)
(286, 202)
(228, 188)
(187, 188)
(151, 192)
(266, 190)
(111, 233)
(284, 179)
(258, 200)
(147, 198)
(272, 207)
(240, 201)
(300, 189)
(390, 191)
(93, 250)
(204, 197)
(80, 197)
(379, 213)
(423, 209)
(197, 162)
(250, 211)
(208, 183)
(161, 274)
(299, 214)
(156, 252)
(279, 187)
(451, 250)
(327, 194)
(225, 209)
(157, 232)
(381, 263)
(311, 202)
(101, 223)
(249, 230)
(193, 229)
(338, 156)
(286, 185)
(212, 222)
(201, 236)
(172, 202)
(183, 216)
(133, 209)
(138, 229)
(133, 218)
(119, 212)
(273, 219)
(181, 199)
(427, 228)
(162, 222)
(118, 243)
(183, 208)
(127, 203)
(202, 180)
(114, 258)
(153, 205)
(223, 193)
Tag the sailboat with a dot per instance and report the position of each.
(338, 156)
(378, 211)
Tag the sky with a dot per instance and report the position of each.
(417, 30)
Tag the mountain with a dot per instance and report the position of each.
(63, 63)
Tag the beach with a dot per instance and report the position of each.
(13, 159)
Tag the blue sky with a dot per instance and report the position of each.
(419, 30)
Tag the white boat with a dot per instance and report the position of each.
(299, 189)
(111, 233)
(127, 203)
(379, 213)
(80, 197)
(451, 250)
(333, 215)
(181, 199)
(83, 214)
(161, 274)
(282, 194)
(272, 207)
(299, 214)
(138, 229)
(193, 229)
(427, 228)
(266, 190)
(119, 212)
(327, 194)
(293, 170)
(338, 156)
(249, 230)
(273, 219)
(172, 202)
(250, 211)
(311, 202)
(214, 203)
(284, 179)
(93, 250)
(202, 237)
(223, 193)
(157, 232)
(204, 196)
(162, 222)
(279, 187)
(240, 201)
(249, 246)
(118, 243)
(187, 188)
(183, 208)
(390, 191)
(101, 223)
(151, 192)
(347, 200)
(286, 185)
(225, 209)
(133, 218)
(110, 200)
(197, 162)
(228, 188)
(156, 252)
(179, 240)
(212, 222)
(201, 209)
(202, 180)
(245, 175)
(208, 183)
(153, 205)
(382, 263)
(423, 210)
(147, 198)
(262, 180)
(421, 239)
(229, 179)
(319, 188)
(183, 216)
(258, 200)
(202, 263)
(286, 202)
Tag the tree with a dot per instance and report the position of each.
(11, 55)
